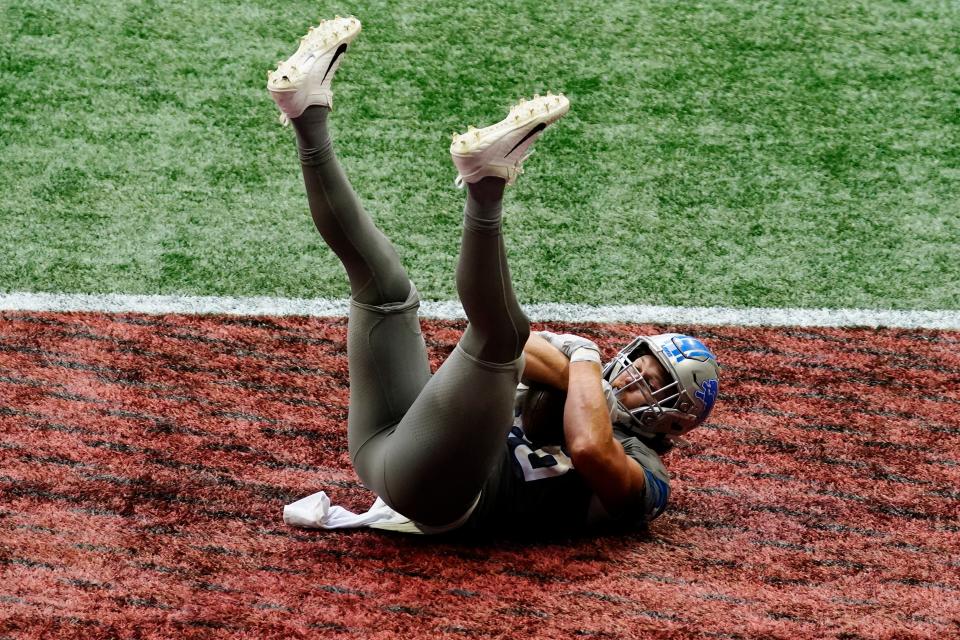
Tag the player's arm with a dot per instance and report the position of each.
(544, 363)
(599, 458)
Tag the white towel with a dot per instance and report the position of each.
(316, 512)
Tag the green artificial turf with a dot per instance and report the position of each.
(736, 153)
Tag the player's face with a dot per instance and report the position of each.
(651, 370)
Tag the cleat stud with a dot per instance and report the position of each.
(476, 134)
(536, 96)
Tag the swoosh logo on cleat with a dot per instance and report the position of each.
(339, 52)
(537, 129)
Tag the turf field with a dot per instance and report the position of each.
(722, 153)
(146, 459)
(730, 154)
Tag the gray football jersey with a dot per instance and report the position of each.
(539, 491)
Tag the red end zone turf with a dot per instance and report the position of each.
(145, 460)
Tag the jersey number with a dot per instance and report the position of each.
(538, 464)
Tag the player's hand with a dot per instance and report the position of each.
(569, 344)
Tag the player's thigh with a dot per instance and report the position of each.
(388, 367)
(443, 450)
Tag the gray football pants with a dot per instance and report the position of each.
(424, 443)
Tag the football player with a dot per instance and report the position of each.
(441, 449)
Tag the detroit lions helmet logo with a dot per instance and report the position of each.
(708, 395)
(680, 347)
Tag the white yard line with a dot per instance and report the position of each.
(262, 306)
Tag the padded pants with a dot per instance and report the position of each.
(424, 443)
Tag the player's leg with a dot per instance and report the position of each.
(301, 87)
(436, 461)
(387, 355)
(489, 159)
(498, 328)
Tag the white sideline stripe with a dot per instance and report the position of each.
(451, 310)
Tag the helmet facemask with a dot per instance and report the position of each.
(655, 400)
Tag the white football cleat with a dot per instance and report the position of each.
(500, 149)
(304, 78)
